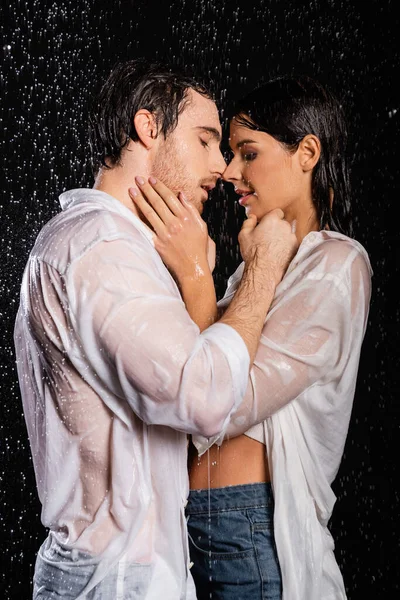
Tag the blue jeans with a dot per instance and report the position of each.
(62, 574)
(232, 544)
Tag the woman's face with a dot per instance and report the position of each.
(265, 175)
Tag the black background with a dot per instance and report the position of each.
(55, 55)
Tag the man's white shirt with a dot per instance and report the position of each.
(113, 375)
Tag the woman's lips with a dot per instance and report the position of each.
(242, 200)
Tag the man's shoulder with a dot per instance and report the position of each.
(73, 231)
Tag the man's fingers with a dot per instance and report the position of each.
(277, 212)
(249, 224)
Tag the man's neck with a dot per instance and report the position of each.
(117, 181)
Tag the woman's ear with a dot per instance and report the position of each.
(309, 152)
(146, 127)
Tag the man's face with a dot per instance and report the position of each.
(189, 160)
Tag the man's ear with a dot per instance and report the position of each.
(146, 127)
(309, 152)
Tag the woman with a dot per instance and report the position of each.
(261, 497)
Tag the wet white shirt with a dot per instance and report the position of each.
(301, 388)
(113, 375)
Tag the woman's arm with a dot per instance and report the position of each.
(186, 249)
(198, 293)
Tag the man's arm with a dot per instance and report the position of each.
(130, 335)
(266, 248)
(140, 344)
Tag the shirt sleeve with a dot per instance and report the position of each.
(138, 340)
(308, 334)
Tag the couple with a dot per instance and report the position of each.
(122, 350)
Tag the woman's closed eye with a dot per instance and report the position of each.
(249, 156)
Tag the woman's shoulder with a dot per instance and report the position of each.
(335, 250)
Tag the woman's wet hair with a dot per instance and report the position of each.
(131, 86)
(290, 107)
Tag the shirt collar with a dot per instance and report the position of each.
(77, 196)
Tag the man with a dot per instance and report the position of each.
(113, 372)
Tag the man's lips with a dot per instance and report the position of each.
(204, 195)
(206, 189)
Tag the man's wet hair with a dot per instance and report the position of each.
(290, 107)
(133, 85)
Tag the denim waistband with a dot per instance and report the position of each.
(251, 495)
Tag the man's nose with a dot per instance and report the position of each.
(219, 165)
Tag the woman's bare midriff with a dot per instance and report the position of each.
(237, 461)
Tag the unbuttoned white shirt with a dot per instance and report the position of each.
(113, 376)
(301, 390)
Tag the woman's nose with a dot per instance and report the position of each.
(231, 173)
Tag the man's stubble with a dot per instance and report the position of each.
(170, 167)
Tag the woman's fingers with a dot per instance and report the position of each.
(167, 195)
(180, 233)
(211, 253)
(190, 207)
(147, 211)
(165, 213)
(164, 202)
